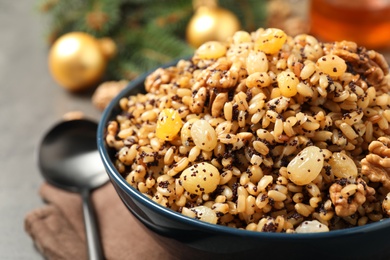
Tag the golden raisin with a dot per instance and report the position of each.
(168, 124)
(342, 165)
(200, 178)
(332, 65)
(204, 135)
(287, 82)
(211, 50)
(306, 166)
(270, 41)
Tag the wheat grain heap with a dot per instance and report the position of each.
(263, 132)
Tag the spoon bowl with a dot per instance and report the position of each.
(68, 158)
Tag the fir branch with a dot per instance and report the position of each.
(148, 48)
(147, 33)
(101, 17)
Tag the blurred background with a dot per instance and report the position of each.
(43, 80)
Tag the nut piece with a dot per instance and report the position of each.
(376, 165)
(155, 79)
(106, 92)
(347, 195)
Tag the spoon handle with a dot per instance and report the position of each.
(95, 251)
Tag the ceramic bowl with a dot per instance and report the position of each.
(189, 238)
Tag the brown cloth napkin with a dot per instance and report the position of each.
(58, 232)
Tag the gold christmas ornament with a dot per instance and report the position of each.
(77, 60)
(210, 23)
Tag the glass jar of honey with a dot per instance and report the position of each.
(366, 22)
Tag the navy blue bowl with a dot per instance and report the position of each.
(189, 238)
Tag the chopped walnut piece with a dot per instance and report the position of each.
(283, 15)
(106, 91)
(156, 78)
(369, 63)
(348, 195)
(380, 60)
(376, 165)
(381, 147)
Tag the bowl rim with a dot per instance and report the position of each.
(198, 224)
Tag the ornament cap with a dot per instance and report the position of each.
(108, 47)
(204, 3)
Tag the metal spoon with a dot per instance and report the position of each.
(68, 158)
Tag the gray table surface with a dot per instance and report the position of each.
(30, 103)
